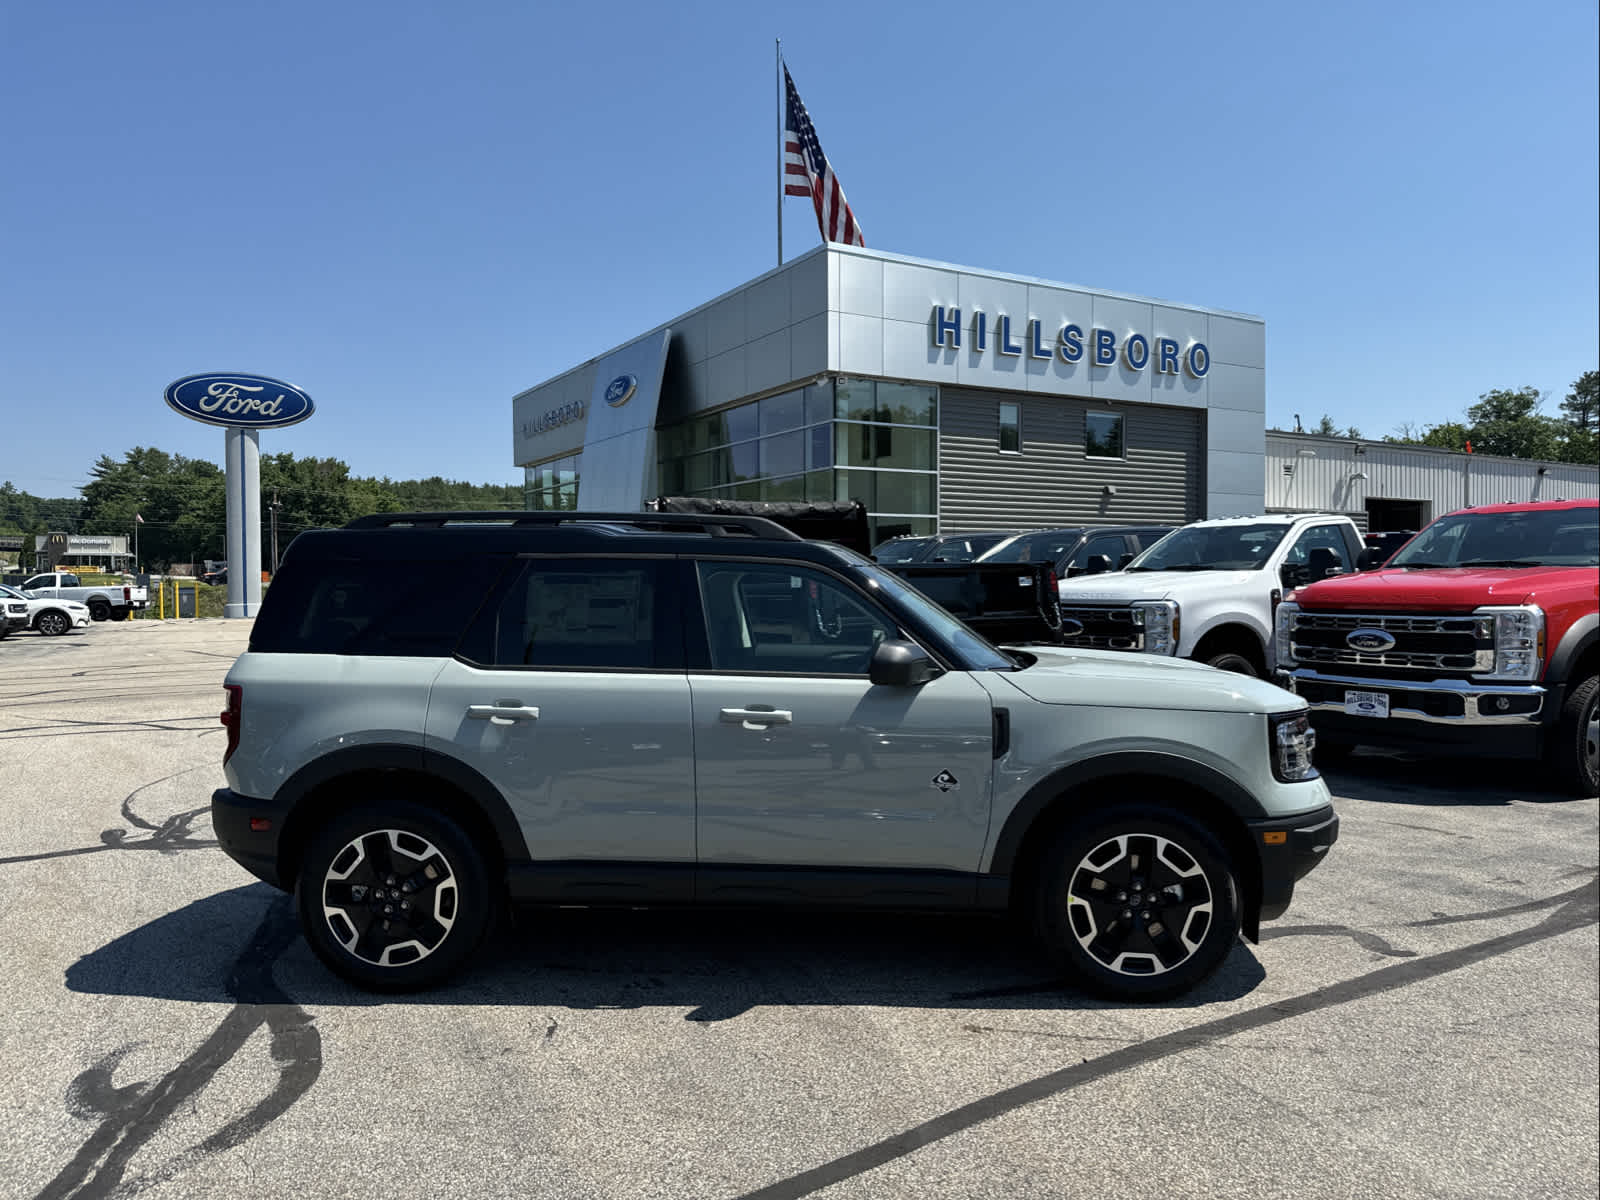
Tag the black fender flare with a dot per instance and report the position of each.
(1580, 638)
(389, 756)
(1106, 766)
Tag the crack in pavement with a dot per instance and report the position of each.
(1570, 911)
(133, 1115)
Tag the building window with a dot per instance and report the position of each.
(552, 486)
(1010, 428)
(1102, 435)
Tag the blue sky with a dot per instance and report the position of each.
(414, 211)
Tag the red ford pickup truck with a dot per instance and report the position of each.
(1481, 634)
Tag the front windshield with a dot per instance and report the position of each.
(1552, 537)
(1049, 546)
(975, 649)
(964, 547)
(1213, 548)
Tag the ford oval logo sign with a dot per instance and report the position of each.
(620, 390)
(1372, 640)
(242, 401)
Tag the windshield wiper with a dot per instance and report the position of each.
(1501, 562)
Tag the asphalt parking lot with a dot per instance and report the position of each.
(1423, 1022)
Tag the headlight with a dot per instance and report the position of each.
(1283, 633)
(1518, 634)
(1159, 621)
(1291, 740)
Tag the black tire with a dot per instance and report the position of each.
(52, 622)
(99, 609)
(355, 918)
(5, 630)
(1574, 748)
(120, 614)
(1160, 947)
(1229, 660)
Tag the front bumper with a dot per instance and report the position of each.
(1494, 718)
(1290, 848)
(254, 849)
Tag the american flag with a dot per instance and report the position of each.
(810, 175)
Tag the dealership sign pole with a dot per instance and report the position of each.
(243, 405)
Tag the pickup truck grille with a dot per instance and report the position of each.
(1442, 645)
(1103, 628)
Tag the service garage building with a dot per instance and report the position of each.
(941, 396)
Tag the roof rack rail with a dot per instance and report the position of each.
(714, 526)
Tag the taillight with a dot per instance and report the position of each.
(127, 595)
(231, 716)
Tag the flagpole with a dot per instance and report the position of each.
(778, 50)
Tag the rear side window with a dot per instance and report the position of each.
(575, 613)
(368, 606)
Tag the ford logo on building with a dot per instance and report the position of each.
(242, 401)
(620, 390)
(1071, 627)
(1372, 640)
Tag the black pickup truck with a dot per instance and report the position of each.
(1006, 602)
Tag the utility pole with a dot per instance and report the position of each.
(274, 507)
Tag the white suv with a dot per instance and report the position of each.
(1208, 591)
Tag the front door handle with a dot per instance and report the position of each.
(502, 714)
(757, 718)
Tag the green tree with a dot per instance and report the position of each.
(1510, 423)
(181, 500)
(1451, 435)
(1580, 419)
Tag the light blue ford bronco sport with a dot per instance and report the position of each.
(441, 713)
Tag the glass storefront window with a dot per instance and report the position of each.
(906, 449)
(744, 461)
(1102, 435)
(819, 485)
(741, 423)
(819, 447)
(904, 492)
(854, 400)
(552, 486)
(819, 402)
(782, 412)
(792, 488)
(908, 403)
(783, 454)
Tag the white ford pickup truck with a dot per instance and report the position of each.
(106, 601)
(1208, 591)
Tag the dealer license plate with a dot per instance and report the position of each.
(1366, 704)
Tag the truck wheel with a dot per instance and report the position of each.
(1575, 745)
(1138, 902)
(99, 609)
(393, 897)
(120, 614)
(52, 622)
(1228, 660)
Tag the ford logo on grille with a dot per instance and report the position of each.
(1071, 627)
(620, 390)
(1369, 639)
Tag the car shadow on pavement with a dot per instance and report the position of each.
(1397, 777)
(717, 965)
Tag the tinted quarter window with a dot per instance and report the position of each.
(771, 617)
(584, 613)
(372, 606)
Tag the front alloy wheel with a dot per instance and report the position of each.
(52, 623)
(1574, 749)
(1139, 903)
(393, 897)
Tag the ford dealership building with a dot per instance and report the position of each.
(940, 395)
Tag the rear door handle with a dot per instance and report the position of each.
(502, 714)
(757, 718)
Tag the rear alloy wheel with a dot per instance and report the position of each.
(52, 623)
(1140, 903)
(393, 897)
(1575, 740)
(99, 610)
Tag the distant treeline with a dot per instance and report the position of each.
(184, 507)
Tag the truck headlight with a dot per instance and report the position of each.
(1518, 632)
(1283, 633)
(1291, 740)
(1159, 621)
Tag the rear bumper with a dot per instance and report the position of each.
(254, 849)
(1290, 848)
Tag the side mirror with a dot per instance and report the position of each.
(1124, 561)
(1369, 559)
(1098, 564)
(902, 664)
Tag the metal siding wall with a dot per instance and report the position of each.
(1444, 479)
(1050, 482)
